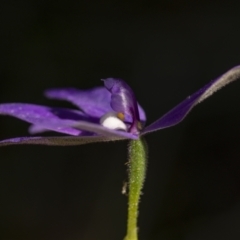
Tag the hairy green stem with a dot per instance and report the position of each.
(137, 170)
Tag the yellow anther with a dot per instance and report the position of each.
(120, 116)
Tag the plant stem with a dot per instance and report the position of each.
(137, 170)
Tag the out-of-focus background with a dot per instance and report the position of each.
(165, 51)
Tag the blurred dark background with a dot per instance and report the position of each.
(165, 50)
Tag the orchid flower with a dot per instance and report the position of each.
(106, 114)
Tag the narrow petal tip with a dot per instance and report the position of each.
(178, 113)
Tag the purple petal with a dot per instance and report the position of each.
(123, 99)
(178, 113)
(94, 102)
(103, 131)
(90, 129)
(59, 120)
(55, 119)
(57, 141)
(34, 129)
(142, 114)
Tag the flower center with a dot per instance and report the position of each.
(113, 121)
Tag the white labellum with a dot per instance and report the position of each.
(111, 121)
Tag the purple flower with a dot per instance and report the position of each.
(106, 113)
